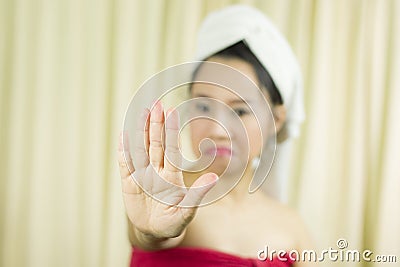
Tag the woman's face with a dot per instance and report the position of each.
(231, 144)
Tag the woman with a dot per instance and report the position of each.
(237, 228)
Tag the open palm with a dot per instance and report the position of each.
(156, 199)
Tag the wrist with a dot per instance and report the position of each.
(151, 242)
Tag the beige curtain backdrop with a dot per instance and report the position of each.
(69, 68)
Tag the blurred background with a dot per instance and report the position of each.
(68, 70)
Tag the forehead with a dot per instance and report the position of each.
(230, 78)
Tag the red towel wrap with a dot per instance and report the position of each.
(199, 257)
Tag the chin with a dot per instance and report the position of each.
(219, 167)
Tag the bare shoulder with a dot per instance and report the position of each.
(291, 220)
(297, 227)
(284, 212)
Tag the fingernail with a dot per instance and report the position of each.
(157, 106)
(159, 103)
(169, 111)
(216, 178)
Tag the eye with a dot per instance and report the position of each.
(240, 111)
(202, 107)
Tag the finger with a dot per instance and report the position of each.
(124, 157)
(140, 154)
(126, 168)
(173, 157)
(156, 153)
(198, 191)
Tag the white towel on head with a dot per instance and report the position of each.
(225, 27)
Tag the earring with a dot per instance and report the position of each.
(255, 162)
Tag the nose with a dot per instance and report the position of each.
(220, 127)
(217, 131)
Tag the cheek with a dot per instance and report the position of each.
(196, 134)
(255, 141)
(257, 136)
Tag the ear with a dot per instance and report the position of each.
(279, 112)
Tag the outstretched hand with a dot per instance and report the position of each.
(156, 199)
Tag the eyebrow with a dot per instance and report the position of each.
(234, 101)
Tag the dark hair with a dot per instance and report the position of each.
(241, 51)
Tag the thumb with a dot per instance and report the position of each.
(198, 190)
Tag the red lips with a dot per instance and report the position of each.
(219, 151)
